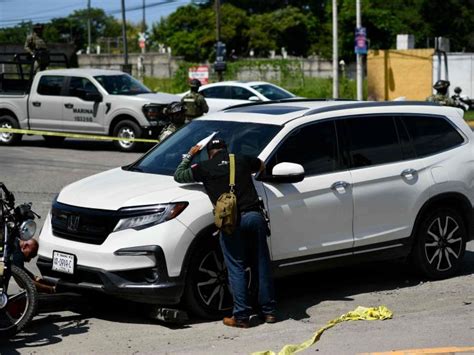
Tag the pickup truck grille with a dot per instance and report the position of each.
(82, 225)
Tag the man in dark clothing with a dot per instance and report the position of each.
(252, 228)
(24, 251)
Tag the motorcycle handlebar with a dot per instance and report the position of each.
(9, 197)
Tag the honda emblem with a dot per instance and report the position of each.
(72, 223)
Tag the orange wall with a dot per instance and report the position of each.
(394, 73)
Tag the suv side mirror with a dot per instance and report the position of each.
(254, 99)
(93, 96)
(285, 173)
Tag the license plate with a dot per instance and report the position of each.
(63, 262)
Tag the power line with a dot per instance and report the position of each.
(12, 22)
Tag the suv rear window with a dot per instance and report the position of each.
(372, 140)
(431, 134)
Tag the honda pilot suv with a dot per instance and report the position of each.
(344, 182)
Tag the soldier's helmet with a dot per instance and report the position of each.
(176, 112)
(441, 85)
(194, 83)
(457, 90)
(38, 27)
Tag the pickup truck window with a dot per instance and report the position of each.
(79, 87)
(122, 85)
(50, 85)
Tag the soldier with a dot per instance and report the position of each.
(36, 46)
(195, 103)
(175, 112)
(441, 96)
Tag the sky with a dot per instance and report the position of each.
(13, 12)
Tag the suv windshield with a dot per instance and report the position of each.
(272, 92)
(241, 138)
(122, 85)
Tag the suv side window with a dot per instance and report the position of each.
(238, 93)
(50, 85)
(313, 146)
(216, 92)
(431, 134)
(79, 87)
(372, 140)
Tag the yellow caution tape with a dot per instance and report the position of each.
(430, 351)
(74, 135)
(360, 313)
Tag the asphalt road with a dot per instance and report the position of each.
(426, 314)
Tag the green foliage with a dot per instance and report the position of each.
(291, 78)
(15, 34)
(191, 31)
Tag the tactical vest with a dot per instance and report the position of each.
(193, 109)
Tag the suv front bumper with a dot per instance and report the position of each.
(147, 285)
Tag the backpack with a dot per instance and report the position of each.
(225, 210)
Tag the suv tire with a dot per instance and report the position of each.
(207, 293)
(127, 129)
(440, 243)
(7, 121)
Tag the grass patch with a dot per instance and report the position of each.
(469, 116)
(317, 88)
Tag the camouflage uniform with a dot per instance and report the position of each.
(168, 131)
(444, 100)
(36, 46)
(195, 105)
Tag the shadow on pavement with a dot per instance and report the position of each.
(295, 295)
(79, 144)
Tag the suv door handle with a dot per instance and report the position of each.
(68, 105)
(36, 103)
(408, 174)
(340, 186)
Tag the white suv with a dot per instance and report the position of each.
(345, 182)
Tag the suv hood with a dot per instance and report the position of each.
(117, 188)
(159, 97)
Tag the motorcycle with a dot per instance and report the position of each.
(18, 295)
(462, 101)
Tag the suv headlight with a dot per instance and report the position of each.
(147, 216)
(153, 112)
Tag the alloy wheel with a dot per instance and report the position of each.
(443, 246)
(126, 132)
(212, 286)
(4, 136)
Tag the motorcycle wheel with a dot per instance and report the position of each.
(21, 306)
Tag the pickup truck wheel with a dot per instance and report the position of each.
(9, 138)
(53, 141)
(440, 243)
(127, 129)
(207, 293)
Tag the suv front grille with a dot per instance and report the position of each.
(83, 225)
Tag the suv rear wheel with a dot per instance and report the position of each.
(440, 243)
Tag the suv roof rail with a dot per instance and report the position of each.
(364, 104)
(257, 103)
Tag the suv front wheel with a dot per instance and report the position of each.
(440, 243)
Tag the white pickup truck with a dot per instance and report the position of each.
(87, 101)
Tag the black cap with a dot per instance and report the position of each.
(216, 143)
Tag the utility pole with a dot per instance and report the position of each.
(143, 23)
(124, 35)
(218, 34)
(359, 68)
(89, 46)
(335, 61)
